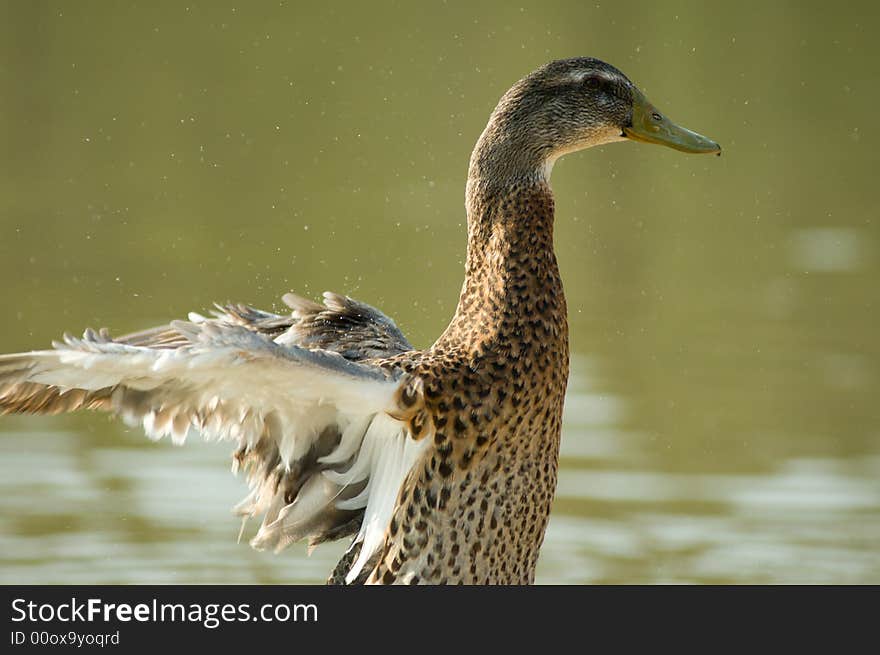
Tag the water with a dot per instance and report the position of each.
(721, 423)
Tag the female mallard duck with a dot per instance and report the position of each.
(441, 461)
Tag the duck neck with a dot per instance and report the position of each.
(512, 286)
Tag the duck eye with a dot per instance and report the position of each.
(592, 82)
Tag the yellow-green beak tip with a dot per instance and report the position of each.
(650, 126)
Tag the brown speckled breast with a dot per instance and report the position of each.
(476, 509)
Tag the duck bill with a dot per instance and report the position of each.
(651, 126)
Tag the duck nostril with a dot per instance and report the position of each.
(656, 116)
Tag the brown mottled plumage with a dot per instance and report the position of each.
(443, 460)
(475, 511)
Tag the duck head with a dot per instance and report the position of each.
(566, 106)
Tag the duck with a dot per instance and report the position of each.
(438, 464)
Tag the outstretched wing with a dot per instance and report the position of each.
(321, 434)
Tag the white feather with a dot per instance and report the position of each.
(392, 456)
(229, 383)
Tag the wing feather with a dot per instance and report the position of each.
(312, 421)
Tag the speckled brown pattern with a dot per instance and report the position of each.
(476, 510)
